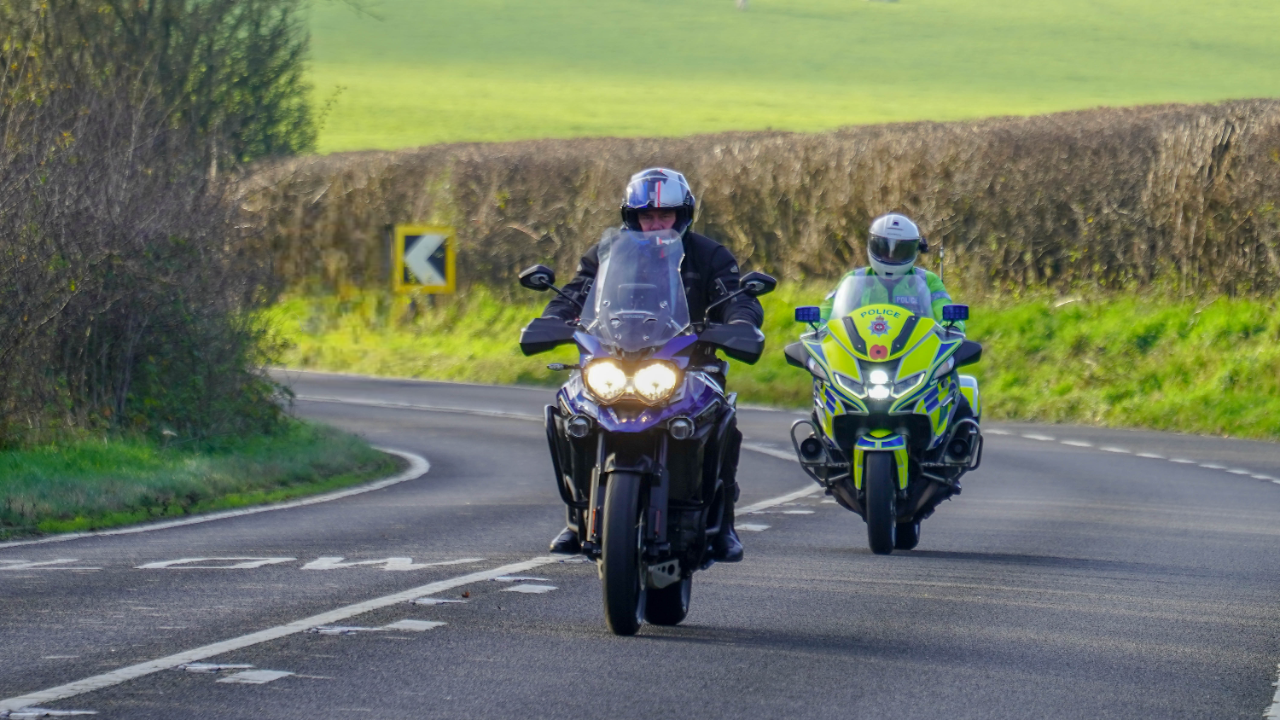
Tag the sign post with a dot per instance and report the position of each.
(424, 259)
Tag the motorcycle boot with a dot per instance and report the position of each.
(566, 543)
(726, 547)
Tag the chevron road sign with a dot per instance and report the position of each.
(424, 259)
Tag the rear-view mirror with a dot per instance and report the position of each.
(538, 277)
(756, 284)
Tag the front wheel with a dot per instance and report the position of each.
(624, 600)
(881, 482)
(670, 605)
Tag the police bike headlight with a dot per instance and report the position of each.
(878, 387)
(907, 384)
(655, 381)
(605, 379)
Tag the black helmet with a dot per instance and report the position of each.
(658, 188)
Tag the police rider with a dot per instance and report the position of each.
(660, 199)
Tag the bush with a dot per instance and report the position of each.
(1180, 197)
(128, 282)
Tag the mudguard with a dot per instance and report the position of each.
(880, 441)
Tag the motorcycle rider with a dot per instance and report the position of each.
(892, 248)
(660, 199)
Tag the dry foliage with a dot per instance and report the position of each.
(1182, 197)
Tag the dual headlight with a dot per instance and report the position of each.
(877, 385)
(652, 382)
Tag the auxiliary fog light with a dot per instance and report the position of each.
(605, 380)
(655, 381)
(578, 426)
(681, 428)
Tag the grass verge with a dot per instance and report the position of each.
(1210, 367)
(93, 484)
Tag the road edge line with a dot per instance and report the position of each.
(418, 466)
(132, 672)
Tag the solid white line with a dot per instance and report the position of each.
(418, 406)
(115, 677)
(418, 466)
(1273, 711)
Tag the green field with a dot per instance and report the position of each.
(415, 72)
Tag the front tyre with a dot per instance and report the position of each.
(624, 595)
(669, 605)
(881, 481)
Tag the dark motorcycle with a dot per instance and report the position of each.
(638, 433)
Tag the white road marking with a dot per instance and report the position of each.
(829, 501)
(1273, 710)
(255, 677)
(212, 667)
(394, 563)
(1037, 436)
(418, 406)
(994, 431)
(1110, 449)
(1152, 456)
(60, 564)
(1077, 443)
(752, 527)
(237, 563)
(530, 589)
(1238, 471)
(520, 578)
(766, 504)
(1213, 466)
(341, 629)
(797, 512)
(1263, 477)
(414, 625)
(418, 466)
(115, 677)
(35, 712)
(1182, 461)
(438, 601)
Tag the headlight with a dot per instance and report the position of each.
(850, 384)
(907, 383)
(605, 380)
(878, 388)
(878, 377)
(655, 381)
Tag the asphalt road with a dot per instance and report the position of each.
(1083, 573)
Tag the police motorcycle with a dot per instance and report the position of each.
(638, 432)
(894, 426)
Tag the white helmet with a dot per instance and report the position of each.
(894, 244)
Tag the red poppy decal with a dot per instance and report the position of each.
(879, 352)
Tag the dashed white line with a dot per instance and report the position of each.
(1238, 471)
(132, 672)
(1213, 466)
(1078, 443)
(1153, 456)
(255, 677)
(1273, 711)
(530, 589)
(1037, 436)
(1182, 461)
(752, 527)
(1111, 449)
(996, 431)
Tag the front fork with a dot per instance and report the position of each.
(654, 506)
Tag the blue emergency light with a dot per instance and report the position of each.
(808, 314)
(953, 313)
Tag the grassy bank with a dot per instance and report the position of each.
(412, 73)
(97, 483)
(1124, 361)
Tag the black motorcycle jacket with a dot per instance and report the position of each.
(709, 272)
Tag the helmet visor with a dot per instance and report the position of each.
(893, 251)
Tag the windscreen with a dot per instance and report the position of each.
(861, 288)
(637, 301)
